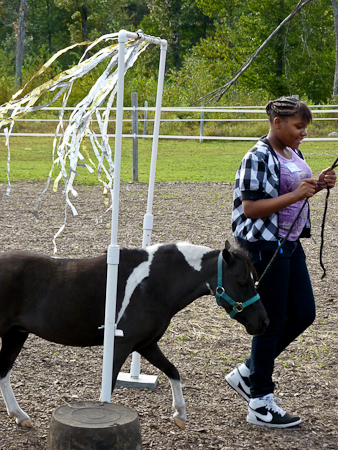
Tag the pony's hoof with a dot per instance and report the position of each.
(25, 423)
(180, 423)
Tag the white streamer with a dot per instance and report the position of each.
(66, 149)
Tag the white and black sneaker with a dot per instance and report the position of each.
(238, 379)
(264, 411)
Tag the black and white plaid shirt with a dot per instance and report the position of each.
(257, 177)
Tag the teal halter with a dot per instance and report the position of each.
(220, 293)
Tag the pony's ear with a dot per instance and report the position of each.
(227, 256)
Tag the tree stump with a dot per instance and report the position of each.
(94, 426)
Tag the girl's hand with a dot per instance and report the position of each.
(327, 176)
(306, 188)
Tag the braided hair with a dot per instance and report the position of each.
(284, 107)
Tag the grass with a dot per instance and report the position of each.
(182, 161)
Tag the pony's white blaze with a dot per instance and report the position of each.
(193, 254)
(13, 409)
(138, 274)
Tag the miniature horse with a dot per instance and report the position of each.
(63, 301)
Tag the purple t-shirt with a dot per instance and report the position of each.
(292, 172)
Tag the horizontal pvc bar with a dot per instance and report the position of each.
(140, 35)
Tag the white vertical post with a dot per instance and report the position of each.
(134, 379)
(113, 249)
(148, 218)
(134, 126)
(135, 366)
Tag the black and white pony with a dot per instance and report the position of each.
(63, 301)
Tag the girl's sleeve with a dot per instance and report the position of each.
(252, 176)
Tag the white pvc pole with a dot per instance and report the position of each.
(113, 253)
(148, 218)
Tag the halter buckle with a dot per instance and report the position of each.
(238, 307)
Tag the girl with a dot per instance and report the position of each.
(271, 186)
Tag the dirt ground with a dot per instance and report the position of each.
(201, 341)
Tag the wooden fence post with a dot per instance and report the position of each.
(145, 119)
(134, 104)
(202, 124)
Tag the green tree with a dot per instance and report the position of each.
(9, 16)
(181, 22)
(298, 60)
(47, 28)
(335, 16)
(20, 42)
(92, 18)
(220, 10)
(45, 31)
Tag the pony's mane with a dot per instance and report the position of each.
(240, 253)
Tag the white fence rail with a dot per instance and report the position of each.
(327, 113)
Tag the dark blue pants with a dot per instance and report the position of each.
(287, 295)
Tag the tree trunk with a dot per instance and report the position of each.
(176, 33)
(49, 30)
(84, 16)
(335, 15)
(20, 43)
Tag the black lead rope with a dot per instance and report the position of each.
(280, 245)
(334, 165)
(322, 234)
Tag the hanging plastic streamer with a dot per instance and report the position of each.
(66, 149)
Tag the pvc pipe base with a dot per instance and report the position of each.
(142, 382)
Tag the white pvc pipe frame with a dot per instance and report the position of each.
(113, 253)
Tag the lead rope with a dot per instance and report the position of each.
(279, 249)
(334, 165)
(322, 235)
(280, 245)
